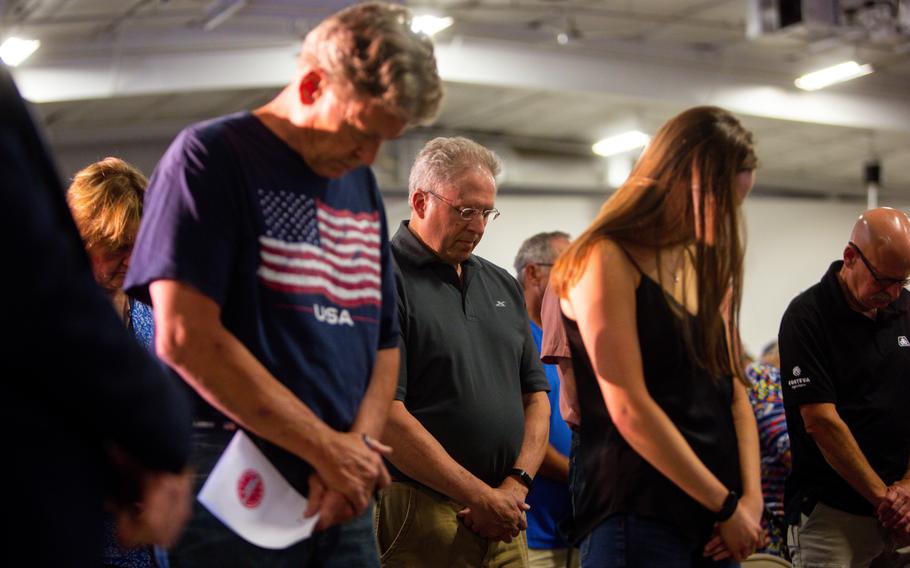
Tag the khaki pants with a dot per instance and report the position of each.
(553, 558)
(417, 527)
(829, 538)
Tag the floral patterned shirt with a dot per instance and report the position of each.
(774, 442)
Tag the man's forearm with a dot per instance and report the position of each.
(536, 431)
(231, 379)
(844, 455)
(374, 410)
(422, 458)
(190, 338)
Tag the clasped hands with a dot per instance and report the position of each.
(498, 513)
(348, 474)
(740, 535)
(893, 511)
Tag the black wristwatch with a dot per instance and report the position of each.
(728, 508)
(522, 476)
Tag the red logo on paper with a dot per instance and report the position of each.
(250, 488)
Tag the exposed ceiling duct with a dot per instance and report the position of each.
(870, 22)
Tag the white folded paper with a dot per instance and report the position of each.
(253, 499)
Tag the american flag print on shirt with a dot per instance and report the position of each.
(311, 249)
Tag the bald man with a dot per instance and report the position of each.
(845, 370)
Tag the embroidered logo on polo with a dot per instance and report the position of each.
(500, 303)
(902, 341)
(798, 382)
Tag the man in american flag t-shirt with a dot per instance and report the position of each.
(264, 251)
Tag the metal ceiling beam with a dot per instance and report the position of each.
(479, 62)
(675, 84)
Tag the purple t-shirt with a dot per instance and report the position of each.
(299, 263)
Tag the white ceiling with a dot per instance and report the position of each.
(111, 73)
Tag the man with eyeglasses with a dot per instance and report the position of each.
(845, 367)
(470, 417)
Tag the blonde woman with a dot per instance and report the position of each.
(106, 201)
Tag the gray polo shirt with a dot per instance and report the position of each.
(467, 356)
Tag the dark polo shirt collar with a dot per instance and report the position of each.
(414, 251)
(838, 302)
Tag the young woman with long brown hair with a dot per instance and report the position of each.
(668, 455)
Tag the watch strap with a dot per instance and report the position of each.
(522, 476)
(728, 508)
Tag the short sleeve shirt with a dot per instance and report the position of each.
(299, 264)
(467, 356)
(833, 354)
(553, 347)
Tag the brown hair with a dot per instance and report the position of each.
(106, 200)
(371, 49)
(654, 210)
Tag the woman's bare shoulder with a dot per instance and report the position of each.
(615, 260)
(608, 270)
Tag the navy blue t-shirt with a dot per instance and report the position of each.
(299, 264)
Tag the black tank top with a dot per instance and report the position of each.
(612, 477)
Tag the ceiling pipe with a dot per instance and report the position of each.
(220, 12)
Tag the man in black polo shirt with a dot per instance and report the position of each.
(469, 423)
(845, 363)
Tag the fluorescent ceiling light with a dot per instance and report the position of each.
(831, 75)
(15, 50)
(621, 143)
(429, 24)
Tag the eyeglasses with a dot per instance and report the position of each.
(468, 213)
(881, 281)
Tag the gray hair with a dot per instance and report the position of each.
(371, 49)
(536, 249)
(442, 160)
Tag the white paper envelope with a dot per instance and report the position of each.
(253, 499)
